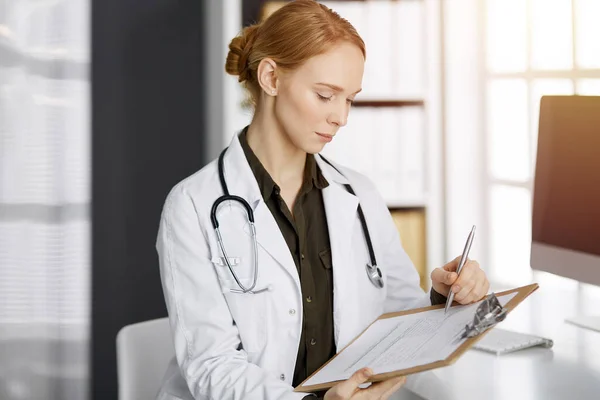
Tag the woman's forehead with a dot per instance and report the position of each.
(341, 66)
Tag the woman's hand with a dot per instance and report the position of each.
(349, 390)
(471, 286)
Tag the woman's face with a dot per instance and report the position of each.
(314, 100)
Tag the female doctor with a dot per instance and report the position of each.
(305, 254)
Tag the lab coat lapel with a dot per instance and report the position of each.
(241, 182)
(269, 237)
(341, 209)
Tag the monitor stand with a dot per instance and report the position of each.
(586, 321)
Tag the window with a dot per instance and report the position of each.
(532, 48)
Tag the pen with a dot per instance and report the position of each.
(463, 261)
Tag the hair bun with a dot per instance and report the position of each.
(239, 52)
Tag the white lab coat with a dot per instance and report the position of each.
(244, 346)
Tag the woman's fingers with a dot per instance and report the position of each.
(346, 389)
(471, 285)
(383, 389)
(399, 382)
(349, 389)
(465, 286)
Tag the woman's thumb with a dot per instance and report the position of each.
(361, 376)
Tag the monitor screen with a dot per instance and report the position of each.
(566, 197)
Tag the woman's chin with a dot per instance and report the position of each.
(314, 148)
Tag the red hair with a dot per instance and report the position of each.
(290, 36)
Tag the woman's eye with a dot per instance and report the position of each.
(350, 101)
(323, 98)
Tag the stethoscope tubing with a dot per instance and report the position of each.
(373, 271)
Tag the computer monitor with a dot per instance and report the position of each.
(566, 195)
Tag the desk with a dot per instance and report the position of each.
(569, 370)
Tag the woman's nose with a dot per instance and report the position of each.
(339, 117)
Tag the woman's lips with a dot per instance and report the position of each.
(325, 137)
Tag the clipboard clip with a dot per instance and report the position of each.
(488, 314)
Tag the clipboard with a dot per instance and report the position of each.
(521, 294)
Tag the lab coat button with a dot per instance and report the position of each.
(282, 377)
(292, 311)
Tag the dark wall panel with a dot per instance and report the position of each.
(147, 127)
(251, 11)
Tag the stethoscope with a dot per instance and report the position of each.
(373, 271)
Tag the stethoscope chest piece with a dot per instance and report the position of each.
(375, 275)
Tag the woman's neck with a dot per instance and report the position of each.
(281, 158)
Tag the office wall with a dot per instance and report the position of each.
(251, 11)
(148, 119)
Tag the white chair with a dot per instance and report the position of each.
(144, 350)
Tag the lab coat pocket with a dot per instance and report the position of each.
(224, 273)
(250, 314)
(241, 261)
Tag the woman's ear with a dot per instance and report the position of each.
(266, 75)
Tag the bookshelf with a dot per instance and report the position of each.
(388, 103)
(400, 109)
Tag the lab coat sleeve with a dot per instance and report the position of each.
(403, 283)
(205, 337)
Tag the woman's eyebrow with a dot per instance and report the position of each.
(335, 87)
